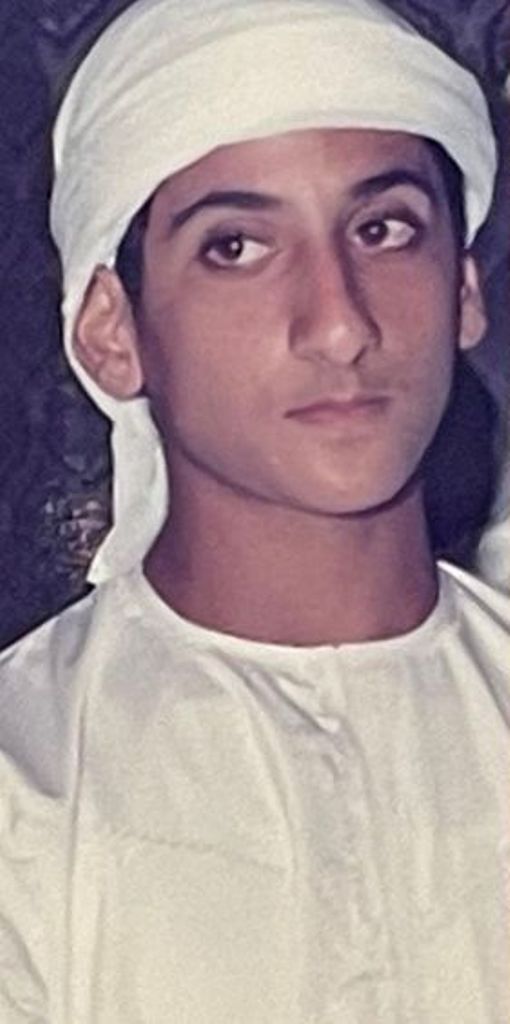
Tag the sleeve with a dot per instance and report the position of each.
(40, 691)
(23, 943)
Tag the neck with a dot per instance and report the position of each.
(277, 575)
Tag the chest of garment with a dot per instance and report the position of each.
(246, 850)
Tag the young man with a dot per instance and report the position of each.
(262, 773)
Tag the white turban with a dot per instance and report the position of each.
(171, 80)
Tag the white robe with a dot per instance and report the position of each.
(493, 555)
(197, 829)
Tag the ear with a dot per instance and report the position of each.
(105, 337)
(473, 317)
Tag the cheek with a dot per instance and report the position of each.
(423, 375)
(210, 365)
(422, 336)
(419, 310)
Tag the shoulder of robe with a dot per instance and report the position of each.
(493, 554)
(39, 719)
(40, 694)
(484, 629)
(480, 599)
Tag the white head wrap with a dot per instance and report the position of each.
(171, 80)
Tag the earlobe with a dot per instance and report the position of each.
(105, 337)
(473, 317)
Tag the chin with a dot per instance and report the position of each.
(360, 497)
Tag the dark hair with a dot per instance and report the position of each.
(129, 263)
(460, 467)
(453, 180)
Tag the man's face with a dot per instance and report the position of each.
(300, 313)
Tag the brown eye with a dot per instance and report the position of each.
(233, 250)
(386, 233)
(230, 249)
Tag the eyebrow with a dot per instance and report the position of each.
(262, 201)
(393, 178)
(239, 199)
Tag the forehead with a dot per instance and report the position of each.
(292, 159)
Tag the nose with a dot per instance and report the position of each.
(331, 320)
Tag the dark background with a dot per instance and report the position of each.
(54, 467)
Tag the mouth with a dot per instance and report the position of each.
(361, 407)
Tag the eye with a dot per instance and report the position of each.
(233, 250)
(386, 233)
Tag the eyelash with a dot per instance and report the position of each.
(404, 217)
(216, 240)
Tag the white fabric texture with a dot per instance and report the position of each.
(197, 829)
(170, 81)
(493, 554)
